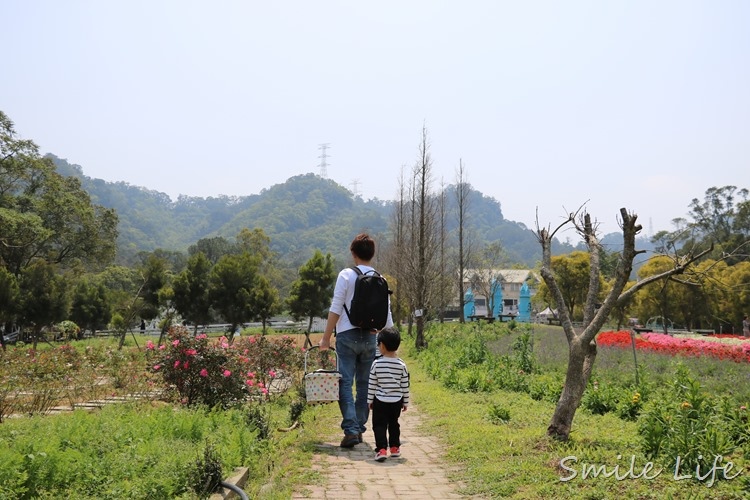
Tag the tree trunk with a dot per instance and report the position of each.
(308, 342)
(420, 342)
(581, 359)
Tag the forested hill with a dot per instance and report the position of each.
(305, 213)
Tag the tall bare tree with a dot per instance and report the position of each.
(463, 190)
(446, 277)
(427, 235)
(582, 345)
(393, 254)
(418, 244)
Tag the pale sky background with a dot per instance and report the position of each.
(636, 104)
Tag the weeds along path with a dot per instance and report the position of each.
(418, 474)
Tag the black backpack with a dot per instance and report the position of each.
(369, 308)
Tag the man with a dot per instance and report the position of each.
(355, 347)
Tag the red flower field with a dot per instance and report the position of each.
(684, 346)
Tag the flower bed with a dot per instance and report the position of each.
(737, 351)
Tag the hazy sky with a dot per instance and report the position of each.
(549, 104)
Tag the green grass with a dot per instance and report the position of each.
(514, 458)
(148, 450)
(493, 439)
(517, 460)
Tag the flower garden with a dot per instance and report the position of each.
(725, 347)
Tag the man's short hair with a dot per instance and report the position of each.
(390, 338)
(363, 247)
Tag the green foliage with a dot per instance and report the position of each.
(91, 306)
(301, 215)
(206, 476)
(154, 271)
(213, 248)
(629, 409)
(517, 460)
(311, 292)
(43, 295)
(601, 398)
(215, 373)
(689, 426)
(269, 358)
(525, 462)
(296, 408)
(8, 294)
(202, 372)
(266, 301)
(44, 215)
(258, 418)
(546, 387)
(122, 451)
(145, 449)
(191, 290)
(572, 275)
(498, 414)
(65, 375)
(523, 351)
(232, 291)
(462, 360)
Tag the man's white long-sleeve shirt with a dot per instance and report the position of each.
(343, 293)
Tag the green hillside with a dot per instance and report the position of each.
(305, 213)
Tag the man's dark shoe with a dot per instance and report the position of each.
(359, 437)
(349, 441)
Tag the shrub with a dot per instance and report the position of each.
(600, 398)
(207, 372)
(630, 408)
(201, 372)
(269, 360)
(498, 414)
(523, 352)
(686, 425)
(206, 476)
(546, 387)
(258, 418)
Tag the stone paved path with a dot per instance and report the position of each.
(418, 474)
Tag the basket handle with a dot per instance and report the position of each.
(318, 347)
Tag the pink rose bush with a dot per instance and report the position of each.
(216, 373)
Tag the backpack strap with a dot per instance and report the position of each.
(359, 272)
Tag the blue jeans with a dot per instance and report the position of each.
(355, 350)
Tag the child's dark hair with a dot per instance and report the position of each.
(363, 247)
(390, 338)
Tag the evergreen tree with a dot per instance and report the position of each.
(311, 293)
(191, 288)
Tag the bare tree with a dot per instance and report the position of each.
(418, 244)
(394, 255)
(426, 235)
(463, 189)
(446, 277)
(582, 345)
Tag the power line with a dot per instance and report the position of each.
(355, 185)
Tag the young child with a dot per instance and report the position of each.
(388, 394)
